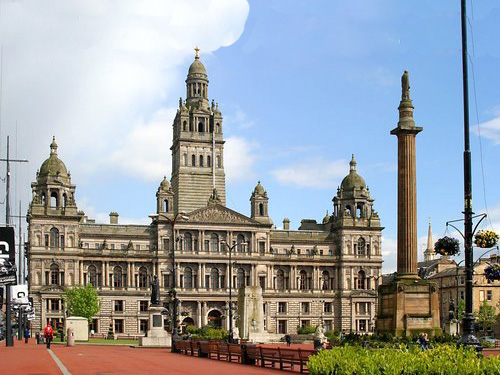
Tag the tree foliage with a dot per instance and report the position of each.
(82, 301)
(486, 315)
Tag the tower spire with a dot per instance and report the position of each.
(429, 253)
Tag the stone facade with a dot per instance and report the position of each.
(328, 270)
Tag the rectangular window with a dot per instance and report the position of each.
(97, 246)
(282, 307)
(206, 245)
(123, 246)
(118, 306)
(282, 326)
(112, 246)
(166, 244)
(46, 240)
(362, 308)
(462, 294)
(138, 247)
(54, 304)
(305, 307)
(327, 307)
(86, 245)
(362, 325)
(489, 295)
(118, 325)
(328, 325)
(143, 325)
(262, 247)
(481, 295)
(262, 282)
(305, 323)
(207, 281)
(143, 306)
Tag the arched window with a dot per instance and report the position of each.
(303, 280)
(54, 237)
(361, 283)
(217, 159)
(188, 278)
(217, 128)
(361, 246)
(188, 242)
(184, 126)
(184, 159)
(165, 205)
(326, 281)
(209, 161)
(214, 242)
(193, 160)
(280, 279)
(117, 277)
(261, 209)
(54, 274)
(348, 211)
(44, 199)
(92, 275)
(65, 200)
(214, 278)
(54, 199)
(143, 277)
(359, 211)
(201, 161)
(200, 127)
(240, 278)
(240, 240)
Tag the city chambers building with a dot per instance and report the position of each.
(323, 271)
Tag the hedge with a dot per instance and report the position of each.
(444, 360)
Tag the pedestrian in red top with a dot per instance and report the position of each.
(48, 333)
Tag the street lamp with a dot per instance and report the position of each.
(173, 292)
(230, 250)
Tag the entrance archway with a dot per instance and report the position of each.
(215, 318)
(188, 321)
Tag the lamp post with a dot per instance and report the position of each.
(230, 309)
(175, 334)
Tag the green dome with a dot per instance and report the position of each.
(53, 166)
(259, 189)
(353, 180)
(327, 218)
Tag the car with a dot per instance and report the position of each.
(488, 339)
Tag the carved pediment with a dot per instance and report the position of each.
(219, 214)
(52, 289)
(363, 293)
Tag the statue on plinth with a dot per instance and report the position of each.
(155, 291)
(405, 85)
(451, 310)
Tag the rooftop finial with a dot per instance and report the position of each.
(197, 50)
(53, 146)
(353, 163)
(405, 86)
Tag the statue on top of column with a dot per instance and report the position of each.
(405, 85)
(155, 291)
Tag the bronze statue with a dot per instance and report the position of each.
(451, 312)
(155, 291)
(405, 85)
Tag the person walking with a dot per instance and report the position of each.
(48, 333)
(26, 335)
(288, 339)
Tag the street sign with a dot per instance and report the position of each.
(7, 256)
(20, 294)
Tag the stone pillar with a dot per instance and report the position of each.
(406, 132)
(81, 272)
(199, 314)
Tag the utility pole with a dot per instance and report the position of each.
(8, 316)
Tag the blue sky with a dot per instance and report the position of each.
(302, 85)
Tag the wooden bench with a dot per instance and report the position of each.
(213, 350)
(222, 351)
(304, 357)
(289, 358)
(269, 356)
(234, 351)
(253, 354)
(184, 347)
(203, 348)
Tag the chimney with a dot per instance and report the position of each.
(286, 223)
(113, 217)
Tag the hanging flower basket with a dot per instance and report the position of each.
(447, 246)
(492, 272)
(486, 239)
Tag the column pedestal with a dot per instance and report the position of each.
(156, 336)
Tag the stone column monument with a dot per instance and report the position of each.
(156, 336)
(407, 303)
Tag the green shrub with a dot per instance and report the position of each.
(444, 359)
(306, 330)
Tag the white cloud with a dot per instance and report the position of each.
(239, 159)
(239, 119)
(490, 129)
(91, 71)
(389, 255)
(316, 172)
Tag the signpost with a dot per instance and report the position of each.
(7, 275)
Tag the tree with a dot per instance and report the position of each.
(461, 310)
(486, 316)
(82, 301)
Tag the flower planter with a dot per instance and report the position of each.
(486, 239)
(447, 246)
(492, 272)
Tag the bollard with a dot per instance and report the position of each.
(70, 337)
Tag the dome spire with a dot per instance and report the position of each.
(353, 164)
(53, 146)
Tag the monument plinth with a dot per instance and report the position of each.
(407, 303)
